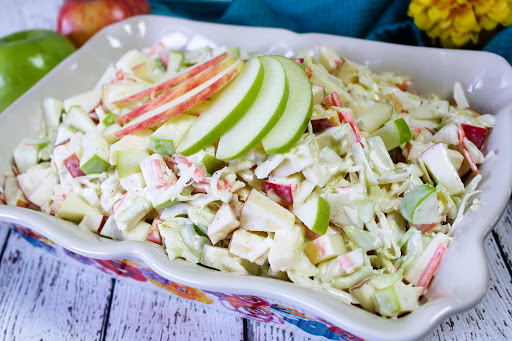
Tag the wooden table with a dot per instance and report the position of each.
(43, 298)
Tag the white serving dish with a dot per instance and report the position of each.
(462, 278)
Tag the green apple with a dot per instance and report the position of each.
(211, 163)
(74, 208)
(375, 117)
(364, 239)
(79, 120)
(226, 108)
(95, 153)
(27, 56)
(438, 163)
(128, 161)
(261, 116)
(420, 206)
(365, 208)
(166, 138)
(27, 153)
(140, 140)
(387, 302)
(175, 62)
(325, 247)
(394, 133)
(314, 214)
(109, 119)
(297, 112)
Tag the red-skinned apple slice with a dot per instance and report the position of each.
(284, 192)
(154, 233)
(72, 163)
(179, 90)
(182, 103)
(179, 78)
(432, 266)
(475, 134)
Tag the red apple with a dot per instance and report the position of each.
(81, 19)
(432, 266)
(324, 123)
(72, 163)
(179, 78)
(283, 192)
(154, 233)
(179, 90)
(182, 103)
(475, 134)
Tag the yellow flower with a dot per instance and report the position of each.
(458, 22)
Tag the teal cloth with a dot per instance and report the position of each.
(382, 20)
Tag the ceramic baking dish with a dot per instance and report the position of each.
(460, 282)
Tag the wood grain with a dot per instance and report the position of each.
(42, 298)
(143, 314)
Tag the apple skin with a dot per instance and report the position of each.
(475, 134)
(27, 56)
(178, 79)
(178, 90)
(81, 19)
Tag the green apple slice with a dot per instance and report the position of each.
(135, 212)
(375, 117)
(394, 133)
(211, 163)
(387, 301)
(296, 115)
(52, 111)
(226, 108)
(261, 116)
(166, 138)
(95, 153)
(380, 156)
(364, 239)
(109, 119)
(420, 206)
(78, 119)
(128, 161)
(315, 214)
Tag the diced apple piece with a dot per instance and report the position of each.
(379, 155)
(175, 62)
(420, 206)
(282, 192)
(130, 215)
(318, 94)
(79, 120)
(260, 213)
(394, 133)
(286, 250)
(329, 58)
(375, 117)
(296, 115)
(72, 164)
(420, 273)
(139, 232)
(441, 168)
(112, 230)
(396, 299)
(221, 259)
(223, 223)
(93, 223)
(64, 134)
(38, 184)
(166, 138)
(75, 208)
(13, 194)
(109, 119)
(26, 154)
(175, 80)
(475, 134)
(153, 234)
(325, 247)
(182, 103)
(140, 141)
(315, 214)
(95, 153)
(52, 111)
(128, 161)
(250, 245)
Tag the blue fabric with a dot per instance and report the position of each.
(382, 20)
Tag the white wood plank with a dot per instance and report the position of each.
(503, 233)
(27, 14)
(43, 298)
(143, 314)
